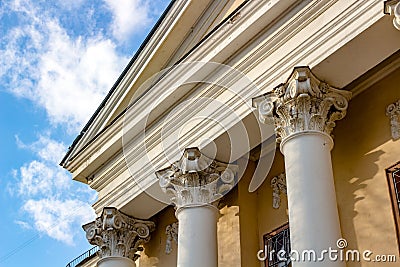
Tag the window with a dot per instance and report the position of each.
(275, 242)
(393, 177)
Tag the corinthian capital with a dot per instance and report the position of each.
(196, 179)
(392, 8)
(303, 103)
(117, 234)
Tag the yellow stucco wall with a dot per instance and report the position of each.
(228, 231)
(363, 150)
(154, 252)
(257, 216)
(248, 218)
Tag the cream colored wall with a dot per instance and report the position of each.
(257, 216)
(228, 231)
(248, 218)
(269, 218)
(363, 149)
(154, 252)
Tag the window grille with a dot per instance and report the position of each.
(276, 242)
(393, 178)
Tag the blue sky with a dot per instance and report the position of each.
(58, 59)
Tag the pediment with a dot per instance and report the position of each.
(183, 25)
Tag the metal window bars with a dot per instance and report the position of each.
(277, 245)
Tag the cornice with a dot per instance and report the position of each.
(251, 8)
(223, 33)
(378, 73)
(134, 71)
(313, 46)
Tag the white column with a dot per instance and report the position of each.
(197, 232)
(116, 262)
(119, 237)
(313, 215)
(304, 111)
(194, 183)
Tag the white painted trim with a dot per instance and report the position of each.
(379, 75)
(265, 59)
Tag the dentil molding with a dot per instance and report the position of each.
(393, 112)
(302, 104)
(196, 179)
(117, 234)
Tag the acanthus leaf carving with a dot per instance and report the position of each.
(117, 234)
(303, 103)
(196, 179)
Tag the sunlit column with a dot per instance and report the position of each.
(304, 111)
(194, 183)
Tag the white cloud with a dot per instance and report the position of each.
(40, 178)
(70, 4)
(58, 218)
(24, 225)
(67, 76)
(74, 76)
(55, 205)
(67, 72)
(46, 148)
(129, 16)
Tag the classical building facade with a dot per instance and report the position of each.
(250, 133)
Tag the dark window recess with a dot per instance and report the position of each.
(393, 178)
(274, 244)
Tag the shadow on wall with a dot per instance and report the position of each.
(228, 232)
(363, 149)
(154, 254)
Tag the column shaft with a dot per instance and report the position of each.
(304, 111)
(197, 236)
(313, 215)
